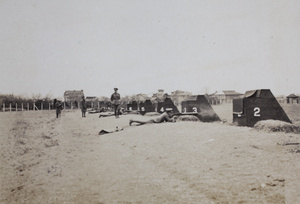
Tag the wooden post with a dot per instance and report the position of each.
(22, 107)
(49, 106)
(35, 107)
(16, 107)
(64, 105)
(41, 106)
(10, 107)
(3, 107)
(98, 104)
(28, 106)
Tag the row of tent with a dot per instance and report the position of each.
(198, 107)
(248, 109)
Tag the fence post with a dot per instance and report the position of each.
(49, 106)
(10, 107)
(28, 106)
(71, 105)
(35, 107)
(98, 104)
(41, 106)
(16, 107)
(22, 107)
(3, 107)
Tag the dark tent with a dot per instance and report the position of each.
(201, 108)
(257, 105)
(168, 103)
(146, 107)
(132, 106)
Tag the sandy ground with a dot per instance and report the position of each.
(49, 160)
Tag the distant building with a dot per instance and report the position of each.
(281, 99)
(179, 93)
(141, 97)
(160, 93)
(92, 101)
(213, 99)
(138, 99)
(227, 96)
(159, 96)
(73, 96)
(179, 96)
(292, 98)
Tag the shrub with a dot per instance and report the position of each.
(277, 126)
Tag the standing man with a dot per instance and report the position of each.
(83, 107)
(115, 99)
(58, 107)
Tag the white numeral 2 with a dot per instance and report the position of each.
(256, 112)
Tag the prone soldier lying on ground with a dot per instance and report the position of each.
(164, 117)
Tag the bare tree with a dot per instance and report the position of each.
(36, 96)
(205, 90)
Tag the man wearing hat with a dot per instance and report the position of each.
(115, 99)
(164, 117)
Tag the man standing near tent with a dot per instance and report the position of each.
(164, 117)
(115, 99)
(83, 107)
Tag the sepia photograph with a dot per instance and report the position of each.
(149, 102)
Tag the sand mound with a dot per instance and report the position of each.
(187, 118)
(152, 114)
(277, 126)
(297, 123)
(133, 112)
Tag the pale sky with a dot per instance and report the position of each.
(141, 46)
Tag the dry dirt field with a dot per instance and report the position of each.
(49, 160)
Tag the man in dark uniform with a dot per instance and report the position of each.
(58, 107)
(115, 99)
(83, 107)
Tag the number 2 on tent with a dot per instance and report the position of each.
(256, 112)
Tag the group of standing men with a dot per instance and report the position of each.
(115, 99)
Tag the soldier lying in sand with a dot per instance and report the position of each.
(166, 116)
